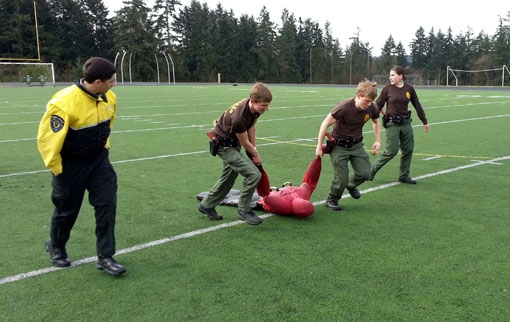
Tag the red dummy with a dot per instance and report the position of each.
(290, 200)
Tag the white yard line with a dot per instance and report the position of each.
(23, 276)
(431, 158)
(268, 120)
(199, 152)
(142, 159)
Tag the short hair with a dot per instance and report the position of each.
(261, 93)
(399, 70)
(367, 88)
(98, 68)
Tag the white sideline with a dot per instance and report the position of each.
(23, 276)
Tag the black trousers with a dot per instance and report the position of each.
(99, 178)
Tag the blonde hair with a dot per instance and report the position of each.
(367, 88)
(261, 93)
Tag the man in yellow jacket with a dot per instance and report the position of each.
(73, 140)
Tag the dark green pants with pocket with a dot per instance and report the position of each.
(398, 136)
(360, 163)
(234, 163)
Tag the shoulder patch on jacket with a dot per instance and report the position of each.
(57, 123)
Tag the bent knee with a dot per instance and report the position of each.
(254, 176)
(391, 152)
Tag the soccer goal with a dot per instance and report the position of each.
(482, 77)
(31, 74)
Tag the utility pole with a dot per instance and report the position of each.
(332, 81)
(368, 61)
(356, 39)
(310, 65)
(350, 68)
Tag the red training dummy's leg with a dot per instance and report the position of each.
(263, 188)
(313, 173)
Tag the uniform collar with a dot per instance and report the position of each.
(79, 82)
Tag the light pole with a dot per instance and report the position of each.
(343, 57)
(115, 64)
(356, 39)
(157, 66)
(368, 62)
(350, 68)
(122, 66)
(332, 66)
(173, 68)
(310, 65)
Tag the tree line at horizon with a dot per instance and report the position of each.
(203, 42)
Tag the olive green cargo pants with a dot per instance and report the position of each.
(360, 163)
(234, 163)
(398, 136)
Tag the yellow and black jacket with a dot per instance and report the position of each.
(76, 124)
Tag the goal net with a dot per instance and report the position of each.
(481, 77)
(31, 74)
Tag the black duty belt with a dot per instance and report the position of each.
(216, 142)
(347, 142)
(398, 119)
(227, 142)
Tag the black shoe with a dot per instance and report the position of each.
(333, 204)
(372, 175)
(109, 265)
(58, 256)
(249, 217)
(211, 213)
(407, 180)
(354, 192)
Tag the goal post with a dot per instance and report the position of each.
(29, 73)
(480, 77)
(38, 59)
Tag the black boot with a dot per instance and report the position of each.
(110, 265)
(58, 256)
(249, 217)
(333, 204)
(211, 213)
(407, 180)
(354, 192)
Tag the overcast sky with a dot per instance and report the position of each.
(376, 19)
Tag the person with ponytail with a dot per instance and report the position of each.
(397, 122)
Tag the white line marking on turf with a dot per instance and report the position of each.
(140, 159)
(495, 163)
(23, 276)
(269, 120)
(22, 173)
(431, 158)
(18, 140)
(20, 123)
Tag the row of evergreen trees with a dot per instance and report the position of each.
(203, 42)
